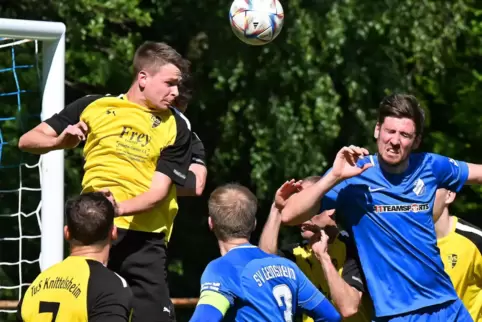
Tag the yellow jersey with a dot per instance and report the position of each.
(77, 289)
(126, 144)
(340, 252)
(461, 252)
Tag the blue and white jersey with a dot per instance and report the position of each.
(390, 218)
(259, 286)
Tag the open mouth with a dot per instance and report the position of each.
(309, 227)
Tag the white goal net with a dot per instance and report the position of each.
(31, 187)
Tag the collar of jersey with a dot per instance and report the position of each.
(374, 161)
(245, 245)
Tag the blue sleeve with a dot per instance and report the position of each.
(324, 312)
(449, 173)
(206, 312)
(330, 199)
(218, 279)
(309, 297)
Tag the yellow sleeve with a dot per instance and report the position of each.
(215, 299)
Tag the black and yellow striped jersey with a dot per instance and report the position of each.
(74, 290)
(344, 258)
(461, 252)
(126, 144)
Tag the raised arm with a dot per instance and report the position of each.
(62, 131)
(345, 297)
(269, 236)
(306, 204)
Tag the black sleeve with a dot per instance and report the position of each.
(109, 298)
(70, 115)
(352, 271)
(176, 158)
(198, 152)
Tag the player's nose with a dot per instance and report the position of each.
(175, 91)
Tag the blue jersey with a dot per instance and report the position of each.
(259, 286)
(390, 218)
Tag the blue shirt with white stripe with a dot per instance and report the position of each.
(390, 218)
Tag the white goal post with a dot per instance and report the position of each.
(52, 36)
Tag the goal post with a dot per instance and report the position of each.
(52, 36)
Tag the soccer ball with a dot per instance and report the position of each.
(256, 22)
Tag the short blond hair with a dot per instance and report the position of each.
(232, 208)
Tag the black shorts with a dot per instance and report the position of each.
(140, 257)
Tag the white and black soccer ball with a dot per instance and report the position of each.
(256, 22)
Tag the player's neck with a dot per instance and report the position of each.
(98, 253)
(134, 95)
(226, 246)
(394, 169)
(444, 224)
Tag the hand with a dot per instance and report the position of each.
(72, 135)
(320, 246)
(284, 192)
(108, 194)
(345, 166)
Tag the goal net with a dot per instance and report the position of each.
(31, 187)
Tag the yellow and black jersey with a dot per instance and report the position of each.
(126, 144)
(74, 290)
(343, 256)
(461, 252)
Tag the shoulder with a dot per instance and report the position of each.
(87, 100)
(105, 280)
(218, 267)
(471, 232)
(181, 120)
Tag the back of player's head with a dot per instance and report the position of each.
(232, 208)
(89, 218)
(151, 56)
(402, 106)
(185, 93)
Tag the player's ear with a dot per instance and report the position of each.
(376, 132)
(450, 197)
(66, 233)
(142, 79)
(210, 223)
(113, 233)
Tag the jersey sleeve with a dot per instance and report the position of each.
(175, 159)
(309, 297)
(216, 287)
(198, 151)
(449, 173)
(352, 273)
(70, 115)
(109, 298)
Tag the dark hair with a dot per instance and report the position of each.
(89, 218)
(153, 55)
(185, 93)
(402, 106)
(232, 208)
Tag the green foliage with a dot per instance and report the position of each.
(282, 110)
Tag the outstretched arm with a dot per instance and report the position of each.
(345, 297)
(62, 131)
(269, 237)
(306, 204)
